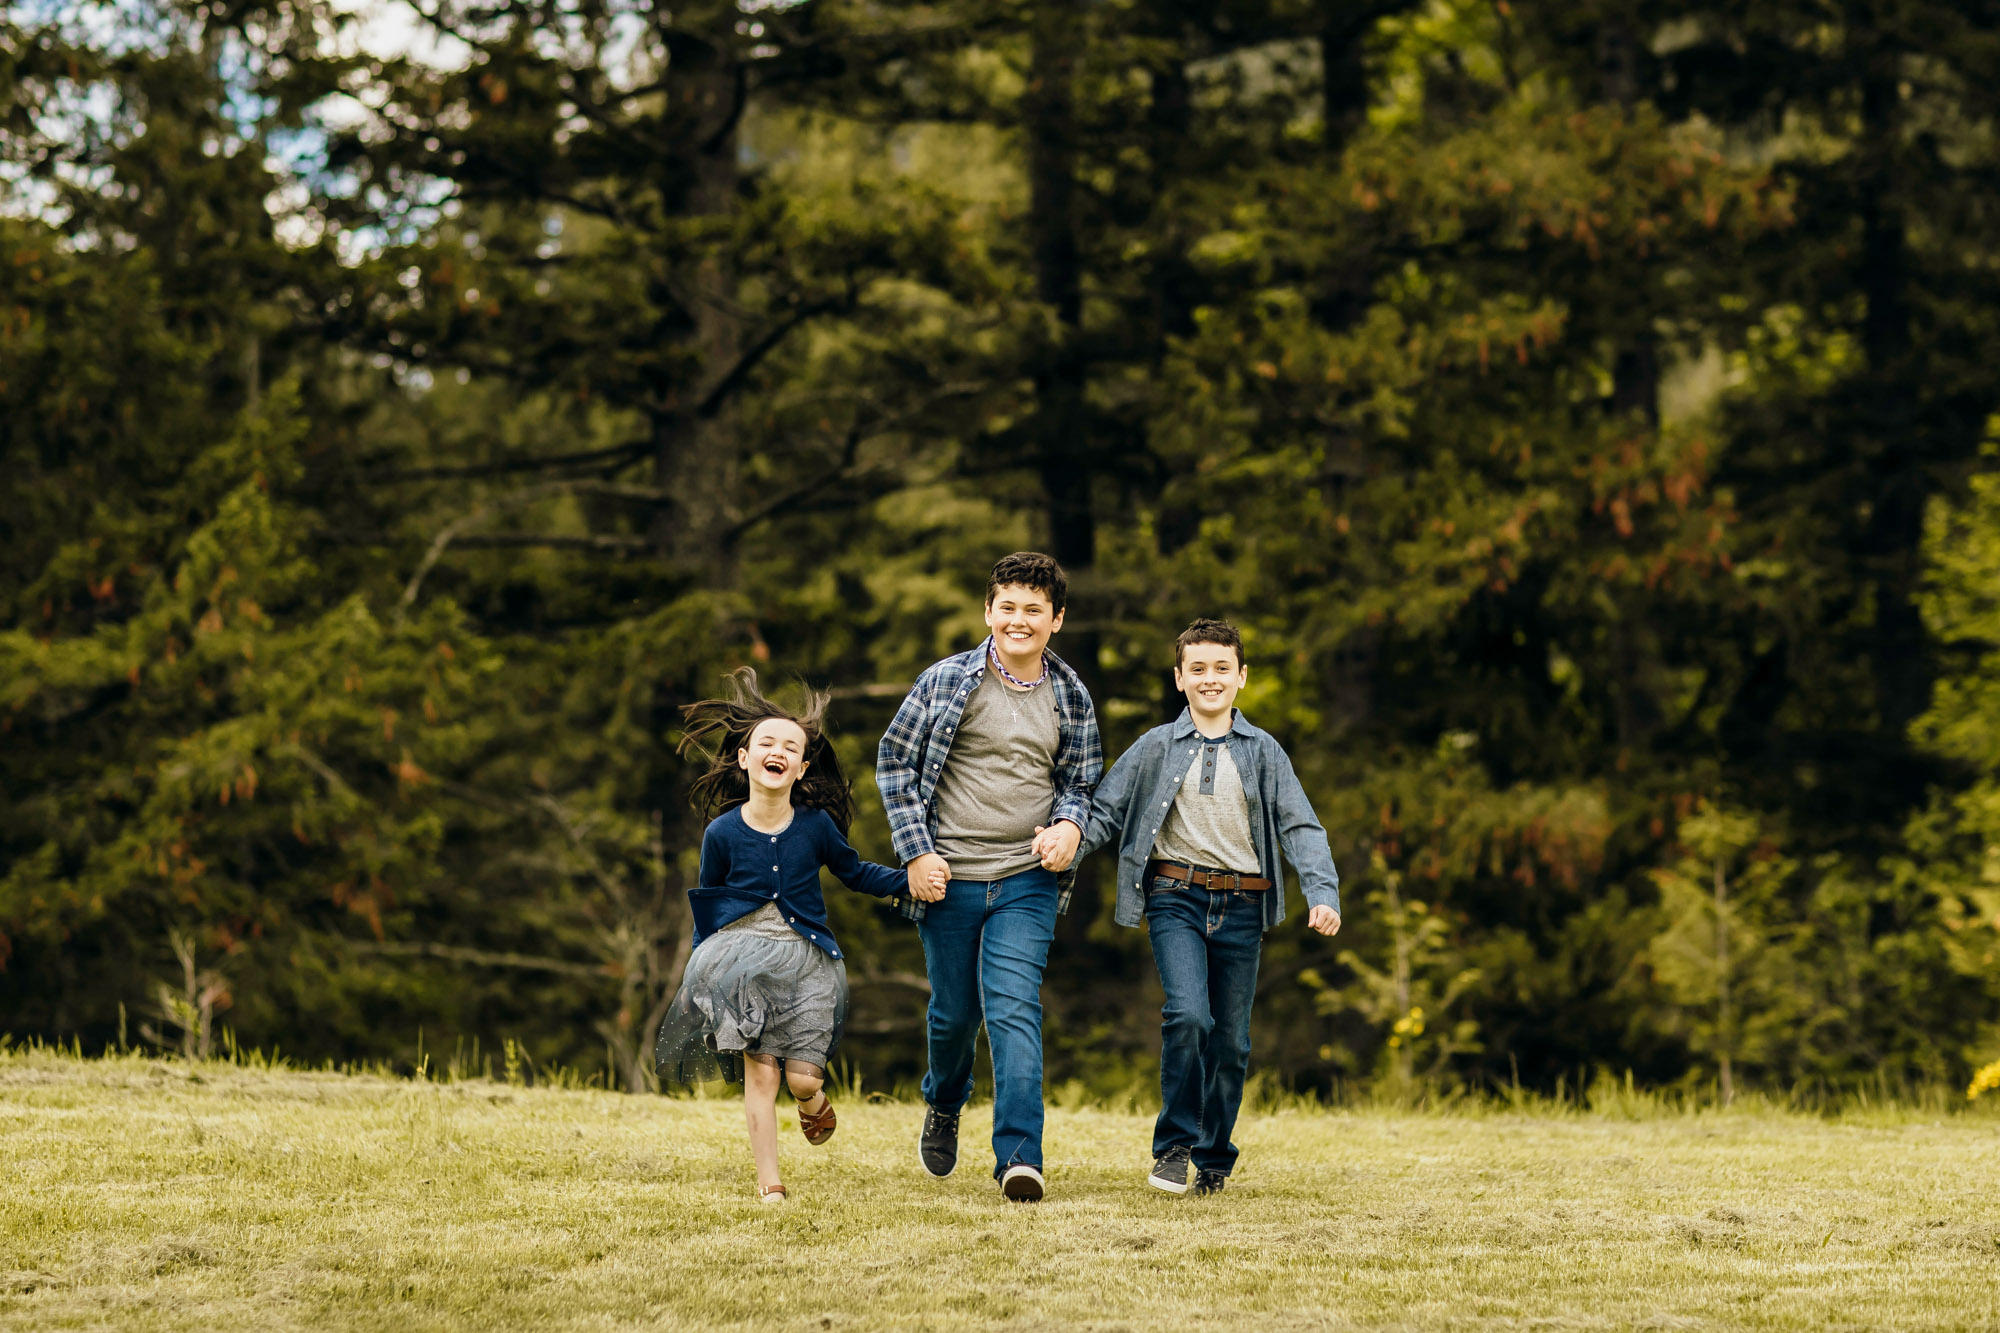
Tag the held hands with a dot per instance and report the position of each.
(1056, 844)
(1324, 920)
(928, 874)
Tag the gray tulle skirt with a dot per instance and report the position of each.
(753, 989)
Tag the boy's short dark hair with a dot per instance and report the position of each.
(1031, 569)
(1208, 631)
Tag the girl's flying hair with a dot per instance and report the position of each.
(715, 729)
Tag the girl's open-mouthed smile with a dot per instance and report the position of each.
(774, 757)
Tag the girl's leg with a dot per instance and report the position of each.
(805, 1081)
(760, 1114)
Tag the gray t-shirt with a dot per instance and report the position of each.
(999, 782)
(1209, 825)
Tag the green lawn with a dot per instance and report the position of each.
(142, 1194)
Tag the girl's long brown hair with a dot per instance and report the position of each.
(715, 729)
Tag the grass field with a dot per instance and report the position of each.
(143, 1194)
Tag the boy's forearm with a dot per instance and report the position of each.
(1326, 893)
(1082, 774)
(1303, 839)
(1106, 810)
(1075, 808)
(898, 765)
(908, 833)
(1305, 846)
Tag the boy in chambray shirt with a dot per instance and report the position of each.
(1202, 810)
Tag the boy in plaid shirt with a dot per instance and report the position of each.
(986, 774)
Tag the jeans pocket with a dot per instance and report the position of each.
(1164, 884)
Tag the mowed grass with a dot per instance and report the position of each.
(144, 1194)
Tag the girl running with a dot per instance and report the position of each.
(765, 984)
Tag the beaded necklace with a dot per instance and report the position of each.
(993, 656)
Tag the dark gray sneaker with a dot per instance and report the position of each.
(937, 1149)
(1170, 1171)
(1209, 1182)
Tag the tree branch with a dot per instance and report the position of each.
(630, 449)
(882, 689)
(479, 957)
(456, 532)
(850, 447)
(317, 765)
(911, 979)
(712, 401)
(557, 541)
(553, 808)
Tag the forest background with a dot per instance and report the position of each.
(1584, 406)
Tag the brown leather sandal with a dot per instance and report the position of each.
(818, 1127)
(770, 1194)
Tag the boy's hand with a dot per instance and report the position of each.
(1057, 844)
(1324, 920)
(928, 875)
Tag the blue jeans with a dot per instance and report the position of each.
(1206, 946)
(985, 946)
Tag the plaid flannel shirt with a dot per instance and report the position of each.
(917, 744)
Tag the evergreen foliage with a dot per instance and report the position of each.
(1554, 393)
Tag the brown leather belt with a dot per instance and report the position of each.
(1215, 881)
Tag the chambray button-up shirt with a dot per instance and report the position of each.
(1131, 805)
(917, 745)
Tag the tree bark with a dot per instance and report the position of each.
(1344, 24)
(1725, 1018)
(1899, 480)
(1066, 458)
(1635, 395)
(695, 452)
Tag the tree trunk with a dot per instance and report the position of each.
(1406, 1056)
(1899, 486)
(1635, 394)
(1343, 26)
(1725, 1018)
(1170, 119)
(696, 455)
(1066, 459)
(695, 449)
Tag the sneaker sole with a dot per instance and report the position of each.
(1023, 1189)
(1165, 1186)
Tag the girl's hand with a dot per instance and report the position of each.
(928, 875)
(1323, 919)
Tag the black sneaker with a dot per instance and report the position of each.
(1170, 1171)
(1209, 1182)
(937, 1149)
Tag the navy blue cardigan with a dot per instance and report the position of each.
(742, 869)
